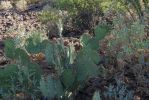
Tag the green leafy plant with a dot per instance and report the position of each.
(119, 92)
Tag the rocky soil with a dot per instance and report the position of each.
(12, 22)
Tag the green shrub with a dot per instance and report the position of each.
(83, 14)
(130, 34)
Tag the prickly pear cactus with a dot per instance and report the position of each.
(51, 87)
(88, 57)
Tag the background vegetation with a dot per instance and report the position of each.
(91, 50)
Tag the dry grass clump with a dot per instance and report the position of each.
(21, 5)
(5, 5)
